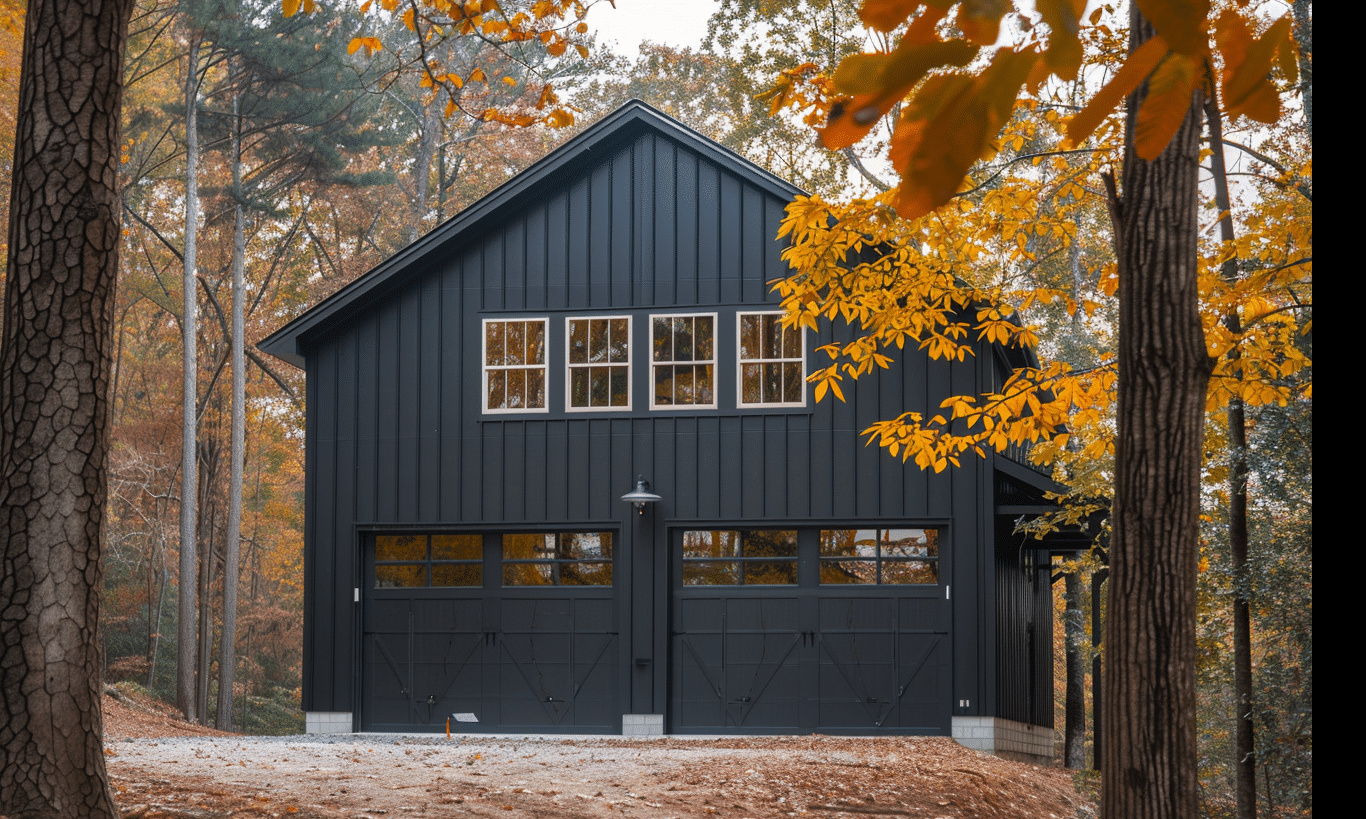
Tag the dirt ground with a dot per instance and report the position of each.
(161, 767)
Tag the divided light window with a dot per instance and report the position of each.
(879, 556)
(745, 557)
(772, 362)
(684, 361)
(514, 365)
(558, 559)
(599, 361)
(408, 561)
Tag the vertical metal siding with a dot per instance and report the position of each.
(457, 344)
(1024, 628)
(397, 434)
(428, 432)
(314, 627)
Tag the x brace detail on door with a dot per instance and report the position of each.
(547, 700)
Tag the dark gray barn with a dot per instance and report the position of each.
(479, 404)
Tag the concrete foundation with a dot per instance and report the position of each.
(328, 722)
(642, 725)
(1005, 738)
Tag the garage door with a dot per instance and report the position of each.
(829, 630)
(501, 632)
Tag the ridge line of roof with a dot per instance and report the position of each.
(283, 343)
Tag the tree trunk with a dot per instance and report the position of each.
(1245, 761)
(422, 168)
(232, 543)
(156, 618)
(55, 361)
(1074, 730)
(209, 452)
(189, 472)
(1150, 761)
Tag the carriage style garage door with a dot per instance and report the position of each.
(507, 632)
(830, 630)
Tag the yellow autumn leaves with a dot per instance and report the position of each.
(1035, 405)
(555, 24)
(902, 268)
(951, 114)
(1179, 60)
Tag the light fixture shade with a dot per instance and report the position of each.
(641, 495)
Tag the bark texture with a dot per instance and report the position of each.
(54, 377)
(1149, 766)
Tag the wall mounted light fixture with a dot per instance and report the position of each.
(641, 496)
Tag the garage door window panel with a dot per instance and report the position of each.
(419, 561)
(879, 556)
(558, 559)
(752, 557)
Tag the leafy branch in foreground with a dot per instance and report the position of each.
(505, 30)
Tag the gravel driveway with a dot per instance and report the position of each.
(422, 776)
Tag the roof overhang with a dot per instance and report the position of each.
(1033, 480)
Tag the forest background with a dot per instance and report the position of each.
(320, 155)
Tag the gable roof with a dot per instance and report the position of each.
(572, 158)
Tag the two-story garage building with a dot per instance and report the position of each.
(479, 404)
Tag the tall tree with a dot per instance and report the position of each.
(1149, 759)
(54, 376)
(285, 111)
(1245, 751)
(232, 546)
(186, 645)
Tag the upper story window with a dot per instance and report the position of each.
(684, 361)
(772, 362)
(599, 363)
(514, 365)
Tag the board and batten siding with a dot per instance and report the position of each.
(396, 436)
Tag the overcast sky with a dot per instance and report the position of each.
(671, 22)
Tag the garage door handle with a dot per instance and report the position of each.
(740, 699)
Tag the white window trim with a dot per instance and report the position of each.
(741, 362)
(569, 368)
(715, 375)
(484, 366)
